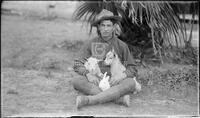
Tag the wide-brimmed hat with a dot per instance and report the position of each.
(105, 15)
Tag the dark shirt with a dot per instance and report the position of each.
(98, 48)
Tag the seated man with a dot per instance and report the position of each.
(87, 83)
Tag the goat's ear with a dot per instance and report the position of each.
(113, 51)
(114, 54)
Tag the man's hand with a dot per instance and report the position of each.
(116, 79)
(92, 78)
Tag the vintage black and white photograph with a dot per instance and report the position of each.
(106, 58)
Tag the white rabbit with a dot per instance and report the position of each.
(104, 83)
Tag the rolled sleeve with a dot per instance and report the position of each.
(79, 63)
(80, 68)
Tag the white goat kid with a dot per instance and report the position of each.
(117, 68)
(113, 60)
(92, 66)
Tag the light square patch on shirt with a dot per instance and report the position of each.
(99, 50)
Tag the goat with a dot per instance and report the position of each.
(112, 59)
(92, 66)
(117, 68)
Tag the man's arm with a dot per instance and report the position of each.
(79, 63)
(129, 63)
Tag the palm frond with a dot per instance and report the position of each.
(87, 11)
(158, 15)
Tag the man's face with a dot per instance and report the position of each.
(106, 29)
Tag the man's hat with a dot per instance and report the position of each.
(105, 15)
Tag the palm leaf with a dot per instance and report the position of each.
(158, 15)
(88, 10)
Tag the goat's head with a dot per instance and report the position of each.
(110, 56)
(92, 63)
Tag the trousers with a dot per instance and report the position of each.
(126, 86)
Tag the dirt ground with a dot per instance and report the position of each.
(36, 73)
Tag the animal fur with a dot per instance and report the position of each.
(112, 59)
(92, 66)
(104, 83)
(117, 68)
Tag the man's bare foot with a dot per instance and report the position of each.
(81, 101)
(138, 86)
(125, 100)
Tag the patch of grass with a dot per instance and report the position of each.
(70, 45)
(181, 55)
(44, 45)
(57, 57)
(171, 80)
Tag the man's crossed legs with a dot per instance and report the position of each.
(118, 93)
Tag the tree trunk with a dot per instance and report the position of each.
(189, 44)
(153, 41)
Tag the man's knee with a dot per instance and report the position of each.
(76, 81)
(129, 83)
